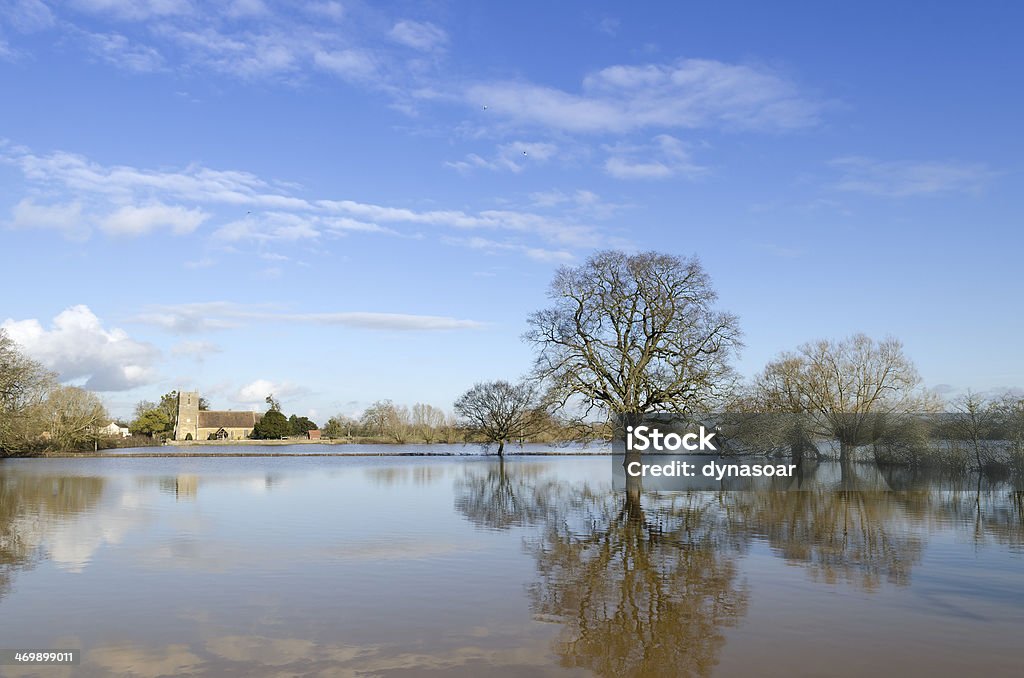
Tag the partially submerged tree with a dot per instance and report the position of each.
(974, 421)
(850, 388)
(499, 412)
(634, 333)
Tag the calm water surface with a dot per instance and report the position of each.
(465, 566)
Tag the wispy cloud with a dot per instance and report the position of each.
(197, 350)
(665, 157)
(63, 217)
(126, 200)
(420, 35)
(685, 94)
(491, 246)
(219, 315)
(132, 220)
(135, 10)
(608, 26)
(118, 50)
(899, 179)
(513, 157)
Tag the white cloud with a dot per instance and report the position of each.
(609, 26)
(687, 94)
(514, 157)
(28, 15)
(116, 49)
(126, 184)
(555, 197)
(77, 346)
(493, 246)
(349, 64)
(132, 220)
(197, 350)
(125, 199)
(205, 316)
(267, 54)
(66, 218)
(419, 35)
(901, 179)
(330, 10)
(135, 10)
(255, 392)
(665, 157)
(246, 8)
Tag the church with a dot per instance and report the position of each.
(196, 424)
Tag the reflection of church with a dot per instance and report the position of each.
(183, 486)
(196, 424)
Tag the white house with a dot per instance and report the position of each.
(112, 429)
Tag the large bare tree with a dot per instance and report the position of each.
(848, 387)
(634, 333)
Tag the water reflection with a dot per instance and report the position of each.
(645, 583)
(28, 504)
(861, 537)
(639, 590)
(500, 496)
(488, 567)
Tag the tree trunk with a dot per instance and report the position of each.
(797, 452)
(845, 452)
(501, 448)
(633, 508)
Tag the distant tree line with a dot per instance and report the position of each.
(624, 335)
(38, 414)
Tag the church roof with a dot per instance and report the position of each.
(213, 419)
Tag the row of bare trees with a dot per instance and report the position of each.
(37, 413)
(385, 420)
(631, 334)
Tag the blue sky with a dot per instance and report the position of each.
(343, 202)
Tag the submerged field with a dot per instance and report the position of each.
(469, 566)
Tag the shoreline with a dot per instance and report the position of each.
(225, 455)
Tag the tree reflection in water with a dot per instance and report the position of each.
(645, 584)
(857, 537)
(500, 496)
(640, 590)
(29, 500)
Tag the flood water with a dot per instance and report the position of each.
(376, 566)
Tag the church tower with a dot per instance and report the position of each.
(187, 427)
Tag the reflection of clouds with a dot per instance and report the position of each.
(199, 554)
(264, 651)
(71, 541)
(255, 655)
(173, 660)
